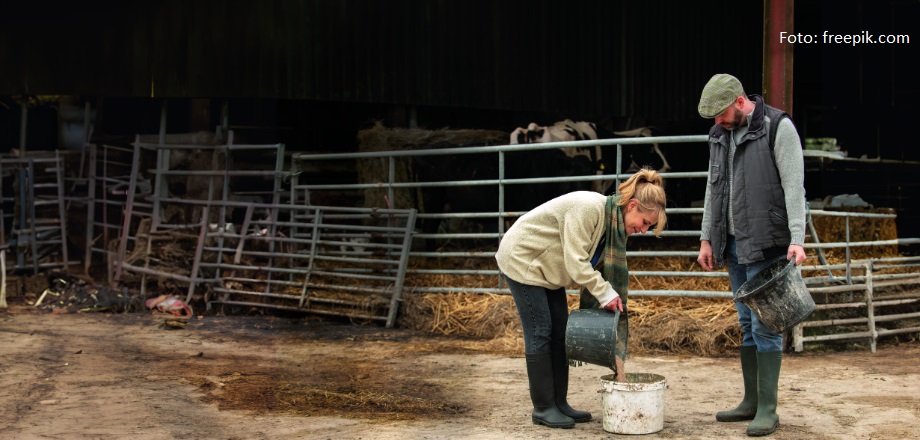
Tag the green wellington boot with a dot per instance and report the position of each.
(540, 375)
(766, 420)
(748, 406)
(561, 386)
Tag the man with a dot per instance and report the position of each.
(754, 213)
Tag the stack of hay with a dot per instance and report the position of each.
(380, 138)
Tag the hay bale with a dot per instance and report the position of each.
(490, 318)
(463, 314)
(699, 326)
(834, 229)
(675, 325)
(380, 138)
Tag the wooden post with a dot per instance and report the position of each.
(777, 56)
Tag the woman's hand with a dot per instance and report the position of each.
(615, 305)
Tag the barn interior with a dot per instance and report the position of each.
(316, 77)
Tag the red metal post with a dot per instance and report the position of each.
(777, 55)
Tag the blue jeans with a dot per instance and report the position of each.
(753, 332)
(544, 314)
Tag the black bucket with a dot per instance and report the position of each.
(591, 336)
(778, 296)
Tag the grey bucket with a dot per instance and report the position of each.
(591, 336)
(778, 295)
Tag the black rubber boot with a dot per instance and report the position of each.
(561, 387)
(747, 409)
(540, 375)
(766, 420)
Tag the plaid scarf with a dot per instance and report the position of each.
(615, 270)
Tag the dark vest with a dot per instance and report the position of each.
(759, 211)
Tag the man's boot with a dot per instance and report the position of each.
(766, 420)
(540, 376)
(747, 409)
(561, 386)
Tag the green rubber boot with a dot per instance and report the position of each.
(748, 406)
(766, 420)
(540, 375)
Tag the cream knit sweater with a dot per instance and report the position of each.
(551, 246)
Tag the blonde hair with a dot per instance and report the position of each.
(647, 187)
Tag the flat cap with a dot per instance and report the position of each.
(719, 93)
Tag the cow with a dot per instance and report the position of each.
(484, 198)
(555, 162)
(601, 163)
(643, 155)
(565, 131)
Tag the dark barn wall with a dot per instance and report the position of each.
(865, 96)
(312, 73)
(582, 58)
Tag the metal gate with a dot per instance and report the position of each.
(324, 260)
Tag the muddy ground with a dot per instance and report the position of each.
(128, 375)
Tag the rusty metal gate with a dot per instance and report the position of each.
(324, 260)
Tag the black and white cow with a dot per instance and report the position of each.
(562, 131)
(484, 198)
(556, 162)
(601, 159)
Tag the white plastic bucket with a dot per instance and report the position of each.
(635, 406)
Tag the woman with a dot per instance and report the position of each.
(550, 248)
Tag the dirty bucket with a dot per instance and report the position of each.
(778, 295)
(591, 336)
(635, 406)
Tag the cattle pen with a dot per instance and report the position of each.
(405, 230)
(834, 283)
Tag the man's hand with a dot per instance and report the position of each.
(705, 258)
(615, 305)
(798, 251)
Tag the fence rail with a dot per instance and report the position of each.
(115, 184)
(498, 215)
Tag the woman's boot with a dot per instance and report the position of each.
(561, 386)
(540, 376)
